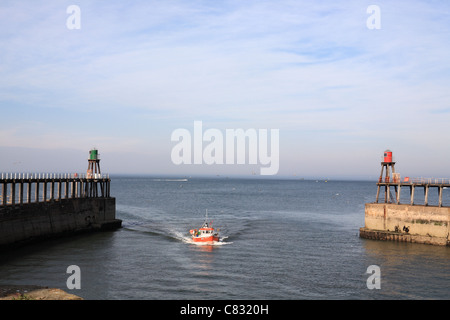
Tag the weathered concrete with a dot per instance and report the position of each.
(41, 220)
(411, 223)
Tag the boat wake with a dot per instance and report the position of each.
(139, 220)
(172, 234)
(175, 180)
(188, 239)
(213, 244)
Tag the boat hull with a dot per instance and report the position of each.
(206, 239)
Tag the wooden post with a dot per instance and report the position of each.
(4, 187)
(72, 189)
(45, 191)
(426, 194)
(13, 193)
(440, 196)
(59, 189)
(52, 190)
(29, 191)
(21, 192)
(102, 188)
(412, 194)
(381, 174)
(36, 192)
(81, 188)
(93, 188)
(86, 188)
(398, 193)
(66, 182)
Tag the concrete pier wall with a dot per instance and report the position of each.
(411, 223)
(34, 221)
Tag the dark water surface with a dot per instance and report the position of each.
(284, 239)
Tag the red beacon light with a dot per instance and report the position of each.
(387, 156)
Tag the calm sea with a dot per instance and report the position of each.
(282, 239)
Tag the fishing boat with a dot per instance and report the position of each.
(206, 233)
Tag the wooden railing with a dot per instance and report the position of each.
(26, 188)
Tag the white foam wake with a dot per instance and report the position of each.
(188, 239)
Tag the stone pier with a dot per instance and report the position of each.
(34, 207)
(408, 223)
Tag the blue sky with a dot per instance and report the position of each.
(339, 93)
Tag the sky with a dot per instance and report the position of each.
(338, 91)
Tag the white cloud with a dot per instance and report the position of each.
(307, 68)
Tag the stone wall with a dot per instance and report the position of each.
(412, 223)
(34, 221)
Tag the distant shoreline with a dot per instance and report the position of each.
(230, 177)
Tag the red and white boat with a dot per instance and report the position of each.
(206, 233)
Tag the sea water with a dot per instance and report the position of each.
(282, 239)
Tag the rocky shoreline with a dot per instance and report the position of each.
(24, 292)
